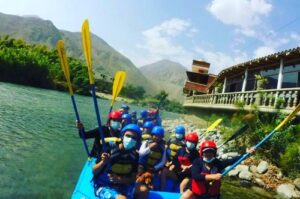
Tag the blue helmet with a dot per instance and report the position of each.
(133, 113)
(158, 131)
(144, 113)
(180, 130)
(125, 106)
(132, 127)
(148, 125)
(126, 117)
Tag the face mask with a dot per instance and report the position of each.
(190, 145)
(115, 125)
(128, 143)
(179, 136)
(208, 161)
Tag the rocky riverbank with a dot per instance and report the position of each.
(252, 171)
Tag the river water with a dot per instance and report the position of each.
(41, 155)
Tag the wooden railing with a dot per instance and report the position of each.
(266, 100)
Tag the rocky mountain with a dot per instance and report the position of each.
(166, 75)
(106, 60)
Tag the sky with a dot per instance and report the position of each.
(221, 32)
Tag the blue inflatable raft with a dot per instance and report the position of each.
(84, 188)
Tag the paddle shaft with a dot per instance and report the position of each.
(110, 109)
(246, 155)
(98, 116)
(81, 130)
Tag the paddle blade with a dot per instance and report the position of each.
(239, 132)
(86, 44)
(288, 118)
(120, 77)
(64, 63)
(214, 125)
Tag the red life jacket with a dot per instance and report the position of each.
(183, 160)
(204, 187)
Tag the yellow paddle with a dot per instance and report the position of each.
(65, 67)
(213, 125)
(86, 44)
(120, 77)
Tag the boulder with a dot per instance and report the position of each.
(287, 191)
(233, 172)
(224, 156)
(297, 183)
(259, 182)
(233, 154)
(279, 175)
(245, 183)
(253, 168)
(262, 167)
(242, 167)
(245, 175)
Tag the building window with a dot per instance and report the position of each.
(272, 75)
(234, 84)
(251, 82)
(291, 76)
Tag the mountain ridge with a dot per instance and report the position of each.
(169, 76)
(106, 60)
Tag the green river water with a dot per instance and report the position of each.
(41, 155)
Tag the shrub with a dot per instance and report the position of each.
(290, 160)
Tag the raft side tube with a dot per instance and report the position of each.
(85, 189)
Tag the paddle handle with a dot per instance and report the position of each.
(98, 116)
(81, 130)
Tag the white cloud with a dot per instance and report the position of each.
(296, 38)
(263, 51)
(270, 46)
(160, 43)
(170, 27)
(240, 13)
(220, 60)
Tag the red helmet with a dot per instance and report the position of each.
(152, 111)
(115, 115)
(209, 144)
(192, 137)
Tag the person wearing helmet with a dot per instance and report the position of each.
(143, 117)
(126, 119)
(152, 157)
(175, 143)
(124, 109)
(180, 168)
(147, 128)
(206, 172)
(114, 121)
(153, 115)
(133, 117)
(120, 164)
(111, 129)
